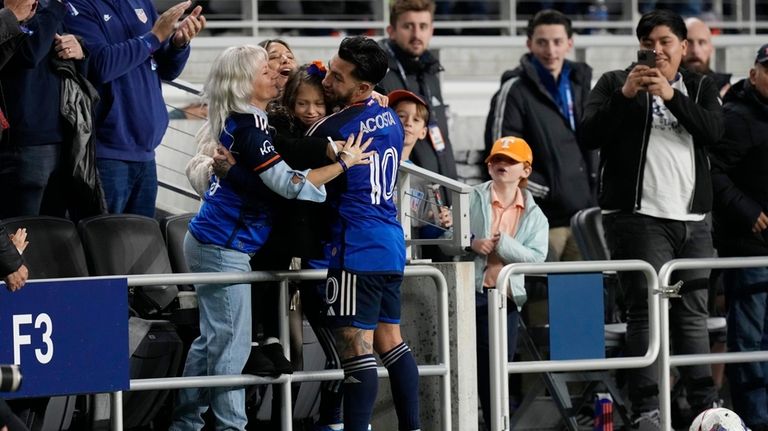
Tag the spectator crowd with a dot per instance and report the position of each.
(300, 160)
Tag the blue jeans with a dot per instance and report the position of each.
(129, 187)
(657, 241)
(483, 367)
(224, 342)
(746, 292)
(32, 181)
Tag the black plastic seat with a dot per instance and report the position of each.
(127, 244)
(55, 249)
(174, 228)
(587, 227)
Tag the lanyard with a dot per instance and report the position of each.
(569, 102)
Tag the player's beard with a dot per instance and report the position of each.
(343, 99)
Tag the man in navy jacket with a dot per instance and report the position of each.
(131, 49)
(740, 184)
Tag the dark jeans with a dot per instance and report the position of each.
(657, 241)
(32, 181)
(746, 291)
(129, 187)
(483, 367)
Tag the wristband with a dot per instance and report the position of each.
(344, 167)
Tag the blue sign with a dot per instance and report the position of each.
(576, 316)
(67, 336)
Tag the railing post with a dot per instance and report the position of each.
(285, 339)
(665, 385)
(116, 410)
(497, 365)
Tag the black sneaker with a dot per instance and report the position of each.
(259, 364)
(274, 352)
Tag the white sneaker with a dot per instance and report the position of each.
(648, 421)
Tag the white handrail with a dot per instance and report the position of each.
(665, 360)
(442, 369)
(497, 324)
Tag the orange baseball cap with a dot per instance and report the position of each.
(514, 148)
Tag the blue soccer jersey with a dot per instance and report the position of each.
(366, 235)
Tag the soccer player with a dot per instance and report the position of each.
(367, 246)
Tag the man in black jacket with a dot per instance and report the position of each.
(12, 268)
(413, 67)
(741, 229)
(542, 101)
(652, 125)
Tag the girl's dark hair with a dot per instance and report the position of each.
(267, 42)
(298, 77)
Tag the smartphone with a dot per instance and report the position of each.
(647, 57)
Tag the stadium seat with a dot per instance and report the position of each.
(125, 244)
(54, 250)
(174, 227)
(587, 227)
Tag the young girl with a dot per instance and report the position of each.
(507, 227)
(303, 98)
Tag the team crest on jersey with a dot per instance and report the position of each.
(141, 14)
(267, 148)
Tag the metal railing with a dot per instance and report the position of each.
(458, 236)
(441, 369)
(665, 360)
(497, 329)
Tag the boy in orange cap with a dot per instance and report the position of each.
(507, 226)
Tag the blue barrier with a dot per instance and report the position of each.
(66, 337)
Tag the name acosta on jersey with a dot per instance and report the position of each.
(385, 119)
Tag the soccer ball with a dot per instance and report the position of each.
(719, 419)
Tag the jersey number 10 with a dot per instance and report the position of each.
(383, 172)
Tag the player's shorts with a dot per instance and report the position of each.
(362, 300)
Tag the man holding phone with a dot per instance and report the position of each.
(652, 123)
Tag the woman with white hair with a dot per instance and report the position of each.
(234, 222)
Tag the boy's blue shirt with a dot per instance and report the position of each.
(126, 64)
(366, 235)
